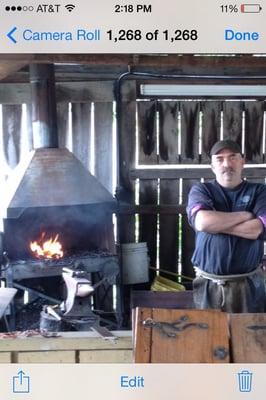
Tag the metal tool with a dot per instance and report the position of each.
(50, 310)
(257, 327)
(50, 322)
(104, 333)
(76, 309)
(6, 297)
(78, 290)
(172, 329)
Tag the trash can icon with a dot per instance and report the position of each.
(245, 381)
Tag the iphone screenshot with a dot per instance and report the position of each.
(132, 200)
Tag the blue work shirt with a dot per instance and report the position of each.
(220, 253)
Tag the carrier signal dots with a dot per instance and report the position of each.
(70, 7)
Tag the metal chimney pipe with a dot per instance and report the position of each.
(44, 119)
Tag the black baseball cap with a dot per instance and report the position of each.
(225, 144)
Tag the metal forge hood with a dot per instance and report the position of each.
(52, 177)
(49, 176)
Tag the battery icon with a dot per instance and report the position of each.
(250, 8)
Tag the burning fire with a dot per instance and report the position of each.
(50, 248)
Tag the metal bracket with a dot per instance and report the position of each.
(257, 327)
(220, 352)
(171, 329)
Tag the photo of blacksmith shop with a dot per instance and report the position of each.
(132, 208)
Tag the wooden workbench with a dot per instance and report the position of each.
(69, 347)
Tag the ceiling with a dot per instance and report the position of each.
(14, 68)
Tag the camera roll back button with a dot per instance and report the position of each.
(83, 34)
(132, 382)
(230, 34)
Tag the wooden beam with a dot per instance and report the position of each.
(173, 63)
(78, 92)
(74, 92)
(13, 63)
(167, 209)
(18, 93)
(233, 61)
(188, 173)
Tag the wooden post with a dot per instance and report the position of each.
(11, 133)
(81, 131)
(103, 123)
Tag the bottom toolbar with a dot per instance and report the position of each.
(133, 381)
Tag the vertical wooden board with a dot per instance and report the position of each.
(81, 132)
(211, 126)
(254, 113)
(108, 241)
(103, 127)
(146, 111)
(126, 124)
(232, 121)
(126, 157)
(5, 357)
(142, 336)
(148, 223)
(12, 133)
(168, 132)
(126, 139)
(126, 109)
(190, 131)
(169, 229)
(194, 344)
(103, 296)
(106, 356)
(27, 134)
(126, 226)
(47, 357)
(248, 338)
(62, 124)
(188, 234)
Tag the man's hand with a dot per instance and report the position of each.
(220, 222)
(247, 230)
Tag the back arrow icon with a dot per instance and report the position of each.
(10, 33)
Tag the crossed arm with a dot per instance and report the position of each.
(240, 223)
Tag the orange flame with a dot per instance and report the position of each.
(50, 248)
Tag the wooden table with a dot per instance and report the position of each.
(69, 347)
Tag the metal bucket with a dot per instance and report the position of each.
(135, 263)
(49, 323)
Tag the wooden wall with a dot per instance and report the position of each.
(173, 139)
(170, 137)
(85, 119)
